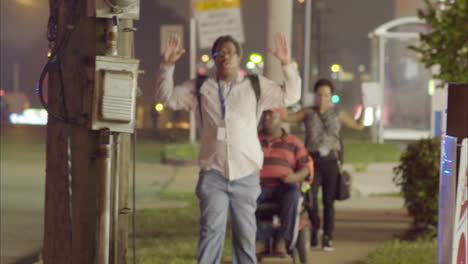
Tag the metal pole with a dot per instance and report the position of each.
(115, 194)
(307, 41)
(193, 59)
(104, 203)
(382, 85)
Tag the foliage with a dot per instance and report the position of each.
(447, 42)
(170, 235)
(418, 176)
(402, 252)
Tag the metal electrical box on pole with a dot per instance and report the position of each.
(115, 94)
(113, 110)
(91, 103)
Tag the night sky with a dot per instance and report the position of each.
(344, 28)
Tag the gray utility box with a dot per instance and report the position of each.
(114, 96)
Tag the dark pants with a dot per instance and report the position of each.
(288, 196)
(326, 176)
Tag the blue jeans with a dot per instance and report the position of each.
(217, 195)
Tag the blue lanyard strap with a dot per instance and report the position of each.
(222, 100)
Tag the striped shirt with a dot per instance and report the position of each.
(282, 156)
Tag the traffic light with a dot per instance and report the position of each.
(335, 98)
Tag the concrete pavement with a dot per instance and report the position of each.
(363, 223)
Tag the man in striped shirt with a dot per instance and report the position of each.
(286, 164)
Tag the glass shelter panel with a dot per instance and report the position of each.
(406, 95)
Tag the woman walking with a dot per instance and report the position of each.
(322, 139)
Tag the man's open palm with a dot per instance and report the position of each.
(173, 51)
(281, 49)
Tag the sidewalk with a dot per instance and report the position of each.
(363, 223)
(358, 231)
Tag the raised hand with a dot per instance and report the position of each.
(281, 49)
(173, 51)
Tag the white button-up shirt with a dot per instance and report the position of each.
(240, 153)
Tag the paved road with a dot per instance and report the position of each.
(21, 213)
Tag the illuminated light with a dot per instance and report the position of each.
(49, 54)
(255, 58)
(169, 125)
(378, 114)
(431, 87)
(201, 70)
(295, 65)
(205, 58)
(250, 65)
(159, 107)
(300, 1)
(361, 68)
(335, 68)
(30, 116)
(210, 64)
(345, 76)
(368, 116)
(2, 92)
(335, 98)
(26, 2)
(358, 111)
(183, 125)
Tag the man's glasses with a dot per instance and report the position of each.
(222, 54)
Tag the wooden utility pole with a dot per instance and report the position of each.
(76, 155)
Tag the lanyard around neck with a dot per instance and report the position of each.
(222, 100)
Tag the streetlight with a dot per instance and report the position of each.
(335, 68)
(159, 107)
(205, 58)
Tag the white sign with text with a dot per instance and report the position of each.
(216, 18)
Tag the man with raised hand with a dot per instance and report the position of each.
(230, 153)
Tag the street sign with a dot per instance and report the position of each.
(167, 30)
(216, 18)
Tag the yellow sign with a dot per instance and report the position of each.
(205, 5)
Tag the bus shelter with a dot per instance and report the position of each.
(404, 110)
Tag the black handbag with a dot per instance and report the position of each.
(343, 185)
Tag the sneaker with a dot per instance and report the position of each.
(280, 247)
(327, 243)
(314, 239)
(260, 248)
